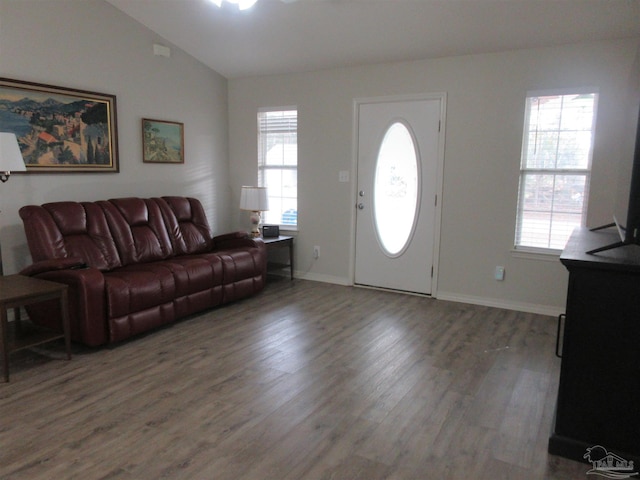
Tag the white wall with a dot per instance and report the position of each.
(90, 45)
(485, 111)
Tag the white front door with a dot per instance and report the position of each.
(397, 177)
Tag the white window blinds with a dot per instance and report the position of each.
(278, 164)
(555, 168)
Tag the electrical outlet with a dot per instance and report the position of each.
(499, 273)
(316, 252)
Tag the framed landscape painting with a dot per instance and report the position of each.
(60, 129)
(162, 141)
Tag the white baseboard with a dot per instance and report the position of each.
(550, 310)
(319, 277)
(539, 309)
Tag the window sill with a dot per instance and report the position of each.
(544, 254)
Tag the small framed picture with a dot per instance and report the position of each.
(162, 141)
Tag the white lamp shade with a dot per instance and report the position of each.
(254, 199)
(10, 156)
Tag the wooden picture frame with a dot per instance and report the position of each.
(162, 141)
(59, 129)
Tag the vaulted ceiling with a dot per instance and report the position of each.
(277, 36)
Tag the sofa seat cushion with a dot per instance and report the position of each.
(198, 282)
(195, 273)
(138, 287)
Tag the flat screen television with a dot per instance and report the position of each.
(630, 230)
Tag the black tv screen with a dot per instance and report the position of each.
(627, 215)
(631, 228)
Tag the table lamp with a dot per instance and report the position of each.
(10, 156)
(254, 200)
(10, 160)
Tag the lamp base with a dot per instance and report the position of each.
(255, 224)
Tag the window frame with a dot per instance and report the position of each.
(263, 167)
(525, 171)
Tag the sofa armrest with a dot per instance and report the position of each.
(52, 265)
(87, 309)
(238, 239)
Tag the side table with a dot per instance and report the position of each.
(281, 242)
(17, 291)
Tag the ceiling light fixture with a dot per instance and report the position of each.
(242, 4)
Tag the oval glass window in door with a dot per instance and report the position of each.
(396, 189)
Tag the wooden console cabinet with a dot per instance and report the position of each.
(599, 391)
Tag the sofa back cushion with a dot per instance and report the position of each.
(187, 224)
(108, 234)
(138, 228)
(70, 229)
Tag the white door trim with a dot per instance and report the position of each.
(442, 96)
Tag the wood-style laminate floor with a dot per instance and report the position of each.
(305, 381)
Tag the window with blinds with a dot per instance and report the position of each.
(555, 168)
(278, 164)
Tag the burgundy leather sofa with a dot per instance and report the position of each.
(134, 264)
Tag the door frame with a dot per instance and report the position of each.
(357, 102)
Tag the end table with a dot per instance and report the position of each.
(280, 242)
(17, 291)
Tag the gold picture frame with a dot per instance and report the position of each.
(60, 129)
(162, 141)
